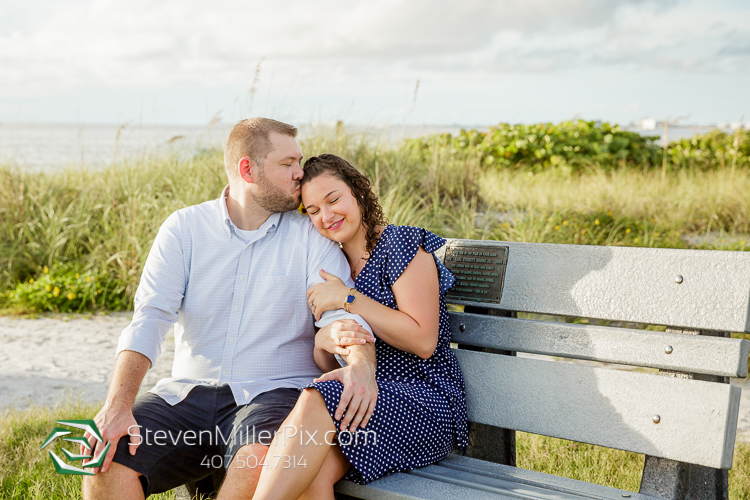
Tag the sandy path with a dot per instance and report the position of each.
(47, 360)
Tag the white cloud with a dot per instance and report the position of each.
(147, 43)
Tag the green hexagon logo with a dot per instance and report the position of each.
(87, 426)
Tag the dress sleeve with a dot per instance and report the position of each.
(402, 248)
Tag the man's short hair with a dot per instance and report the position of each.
(251, 138)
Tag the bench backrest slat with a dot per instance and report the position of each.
(670, 351)
(612, 408)
(628, 284)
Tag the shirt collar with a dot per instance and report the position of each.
(269, 225)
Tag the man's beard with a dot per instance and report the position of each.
(272, 198)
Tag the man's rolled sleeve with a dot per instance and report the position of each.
(325, 254)
(159, 295)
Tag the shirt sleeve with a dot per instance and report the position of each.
(159, 295)
(325, 254)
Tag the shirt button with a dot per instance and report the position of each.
(242, 278)
(231, 340)
(236, 309)
(225, 372)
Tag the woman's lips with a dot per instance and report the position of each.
(335, 225)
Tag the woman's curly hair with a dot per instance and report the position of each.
(339, 168)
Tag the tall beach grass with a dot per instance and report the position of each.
(102, 222)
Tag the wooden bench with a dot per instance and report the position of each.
(683, 418)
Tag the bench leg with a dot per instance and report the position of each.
(487, 442)
(493, 444)
(674, 480)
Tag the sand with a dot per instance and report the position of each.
(50, 359)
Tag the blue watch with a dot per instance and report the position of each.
(349, 300)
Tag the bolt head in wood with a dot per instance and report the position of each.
(668, 349)
(657, 419)
(678, 279)
(462, 327)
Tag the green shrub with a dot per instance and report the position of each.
(711, 150)
(572, 144)
(579, 145)
(62, 288)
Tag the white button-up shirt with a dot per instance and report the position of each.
(238, 299)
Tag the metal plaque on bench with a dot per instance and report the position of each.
(479, 270)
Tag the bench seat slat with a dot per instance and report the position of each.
(628, 284)
(463, 477)
(401, 486)
(599, 406)
(708, 355)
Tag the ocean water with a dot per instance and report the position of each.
(37, 146)
(50, 147)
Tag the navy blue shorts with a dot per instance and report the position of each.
(190, 440)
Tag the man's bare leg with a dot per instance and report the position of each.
(243, 473)
(119, 482)
(279, 478)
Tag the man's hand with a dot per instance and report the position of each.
(113, 423)
(358, 398)
(335, 337)
(360, 392)
(115, 419)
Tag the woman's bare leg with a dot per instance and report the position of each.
(334, 468)
(307, 434)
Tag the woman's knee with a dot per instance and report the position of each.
(311, 401)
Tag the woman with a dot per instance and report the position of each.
(421, 411)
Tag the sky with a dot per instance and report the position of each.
(469, 62)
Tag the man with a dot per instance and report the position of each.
(232, 273)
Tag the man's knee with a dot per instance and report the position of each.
(251, 456)
(118, 482)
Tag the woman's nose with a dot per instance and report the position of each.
(327, 214)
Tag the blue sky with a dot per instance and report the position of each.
(478, 62)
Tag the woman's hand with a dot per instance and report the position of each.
(335, 337)
(327, 296)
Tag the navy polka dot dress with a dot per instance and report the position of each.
(421, 409)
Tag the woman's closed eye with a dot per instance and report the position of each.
(316, 210)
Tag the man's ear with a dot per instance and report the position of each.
(247, 169)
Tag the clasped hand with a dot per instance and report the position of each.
(345, 332)
(327, 296)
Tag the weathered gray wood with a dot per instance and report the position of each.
(488, 442)
(462, 477)
(708, 355)
(605, 407)
(629, 284)
(674, 480)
